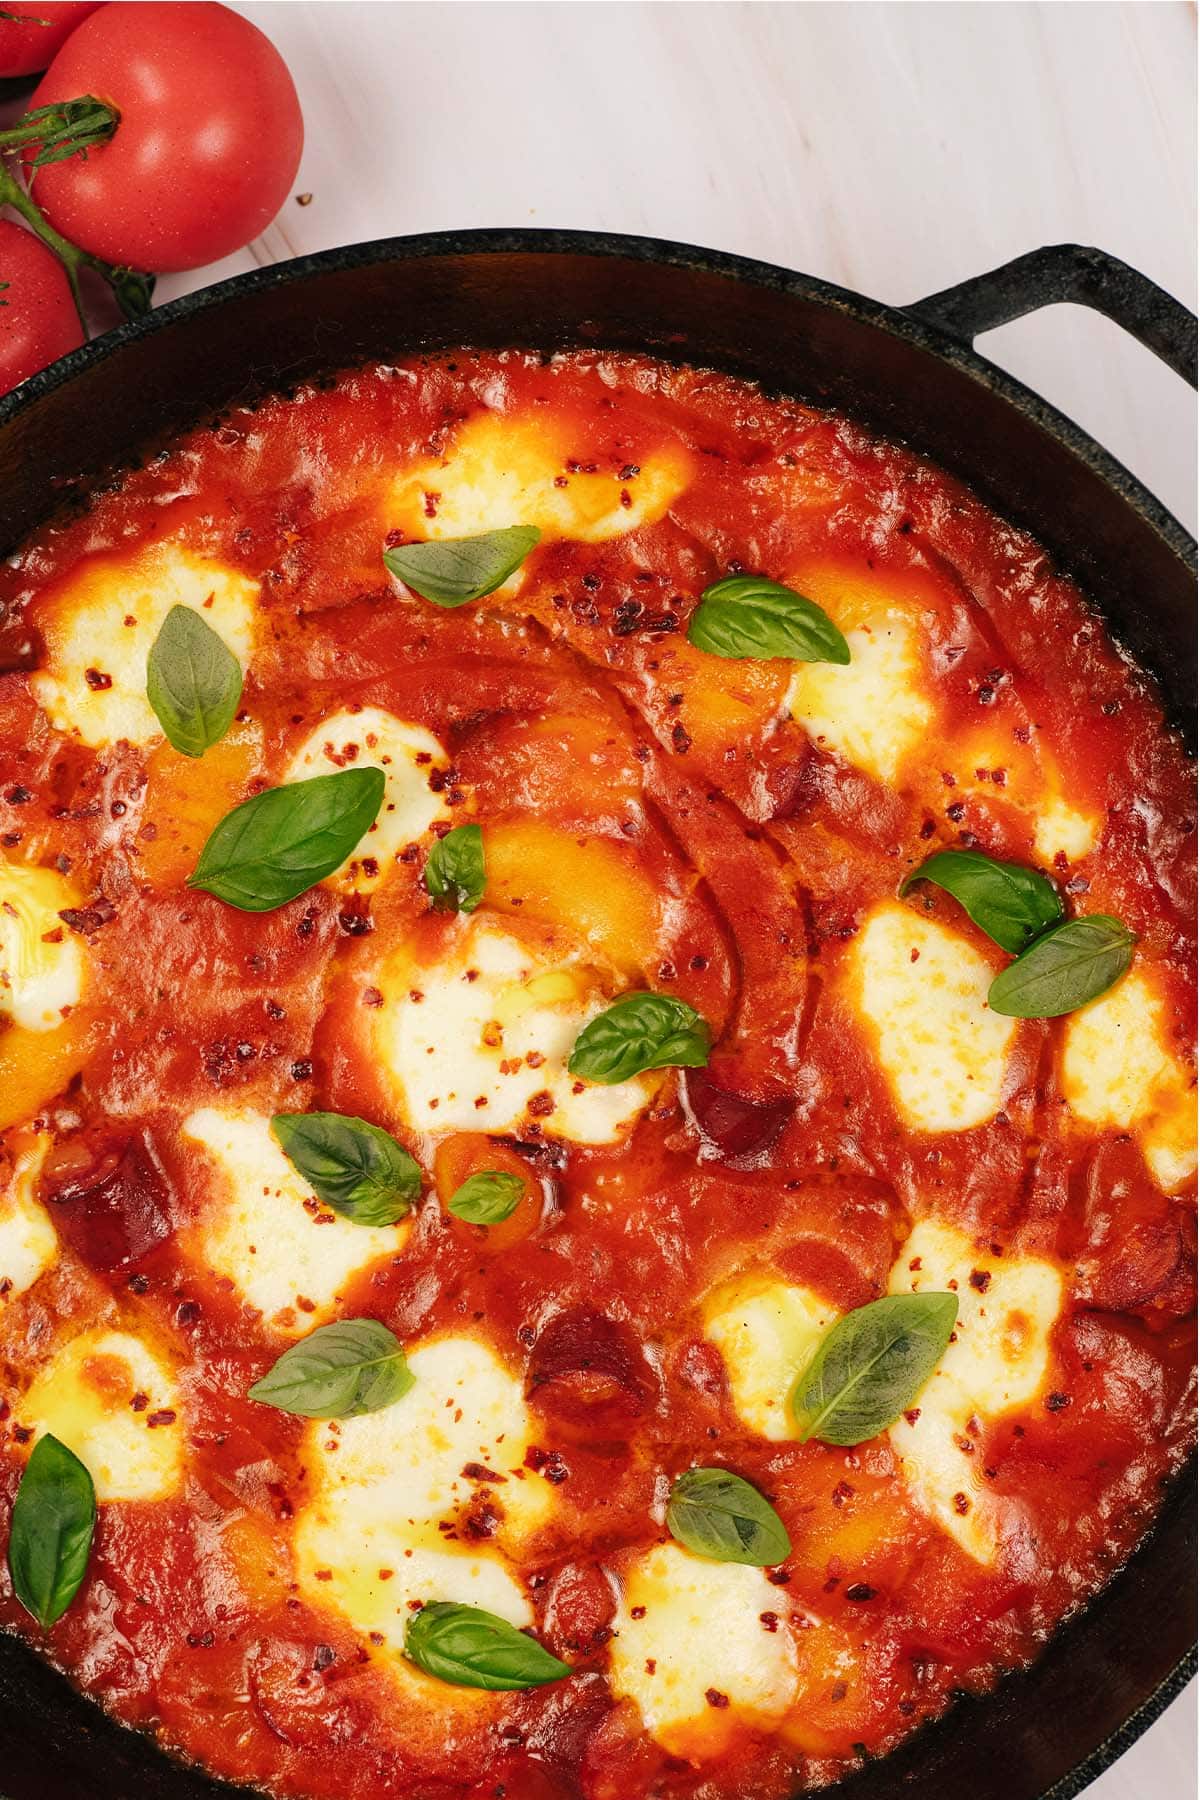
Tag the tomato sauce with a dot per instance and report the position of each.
(573, 700)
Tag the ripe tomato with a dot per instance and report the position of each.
(38, 321)
(208, 143)
(35, 31)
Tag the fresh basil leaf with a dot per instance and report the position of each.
(451, 571)
(455, 872)
(718, 1515)
(1011, 903)
(1064, 969)
(193, 682)
(358, 1169)
(338, 1371)
(50, 1535)
(871, 1365)
(487, 1198)
(749, 616)
(638, 1032)
(472, 1648)
(283, 841)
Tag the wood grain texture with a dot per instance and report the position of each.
(894, 148)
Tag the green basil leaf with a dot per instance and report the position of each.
(749, 616)
(487, 1198)
(283, 841)
(718, 1515)
(638, 1032)
(472, 1648)
(451, 571)
(1068, 966)
(871, 1365)
(338, 1371)
(358, 1169)
(50, 1535)
(193, 682)
(1011, 903)
(455, 872)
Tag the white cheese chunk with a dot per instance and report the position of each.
(999, 1360)
(1118, 1071)
(514, 469)
(114, 1401)
(386, 1523)
(408, 756)
(921, 990)
(767, 1331)
(28, 1241)
(490, 1031)
(41, 959)
(102, 622)
(688, 1629)
(872, 711)
(1061, 829)
(288, 1256)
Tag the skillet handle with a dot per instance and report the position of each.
(1068, 272)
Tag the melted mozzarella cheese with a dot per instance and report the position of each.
(288, 1256)
(408, 756)
(872, 711)
(480, 1040)
(922, 990)
(999, 1359)
(28, 1242)
(102, 623)
(41, 960)
(766, 1331)
(113, 1401)
(1061, 829)
(687, 1629)
(1118, 1071)
(512, 469)
(388, 1521)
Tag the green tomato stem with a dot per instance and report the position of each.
(133, 290)
(66, 128)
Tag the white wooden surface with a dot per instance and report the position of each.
(894, 148)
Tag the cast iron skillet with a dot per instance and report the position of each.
(910, 373)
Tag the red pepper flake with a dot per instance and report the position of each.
(140, 1402)
(1056, 1402)
(97, 680)
(778, 1577)
(913, 1414)
(981, 1281)
(841, 1493)
(962, 1505)
(386, 1574)
(541, 1105)
(715, 1697)
(474, 1471)
(651, 1665)
(637, 1612)
(163, 1417)
(372, 997)
(859, 1592)
(769, 1620)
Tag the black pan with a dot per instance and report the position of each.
(910, 373)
